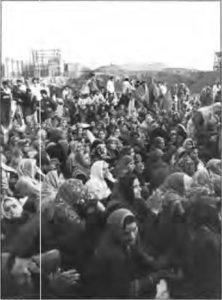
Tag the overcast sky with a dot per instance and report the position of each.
(179, 34)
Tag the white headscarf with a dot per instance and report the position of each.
(97, 185)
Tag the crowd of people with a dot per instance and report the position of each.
(110, 194)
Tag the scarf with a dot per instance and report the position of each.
(97, 185)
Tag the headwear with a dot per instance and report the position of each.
(70, 192)
(214, 165)
(68, 196)
(175, 182)
(202, 178)
(27, 168)
(97, 184)
(185, 143)
(117, 217)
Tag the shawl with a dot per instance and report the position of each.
(97, 185)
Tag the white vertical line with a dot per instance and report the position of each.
(40, 214)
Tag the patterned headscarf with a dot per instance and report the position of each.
(68, 196)
(27, 168)
(214, 165)
(202, 179)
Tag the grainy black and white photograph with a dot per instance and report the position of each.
(110, 150)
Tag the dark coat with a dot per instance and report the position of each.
(113, 269)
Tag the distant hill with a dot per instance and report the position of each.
(143, 67)
(194, 79)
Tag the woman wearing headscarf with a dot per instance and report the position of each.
(127, 191)
(12, 217)
(64, 227)
(156, 170)
(27, 185)
(81, 166)
(202, 267)
(50, 186)
(119, 267)
(172, 231)
(214, 168)
(202, 178)
(124, 165)
(188, 145)
(97, 184)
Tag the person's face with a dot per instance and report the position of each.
(173, 136)
(105, 170)
(12, 181)
(19, 84)
(130, 234)
(112, 145)
(189, 145)
(117, 133)
(137, 188)
(161, 144)
(131, 166)
(140, 167)
(103, 150)
(93, 124)
(80, 148)
(102, 135)
(189, 168)
(35, 82)
(194, 154)
(13, 209)
(87, 158)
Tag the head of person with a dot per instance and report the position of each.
(124, 128)
(34, 81)
(112, 144)
(194, 154)
(214, 166)
(102, 135)
(99, 170)
(123, 227)
(5, 84)
(11, 208)
(101, 151)
(19, 82)
(44, 94)
(173, 136)
(159, 143)
(70, 199)
(178, 182)
(117, 132)
(28, 168)
(188, 145)
(201, 178)
(187, 165)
